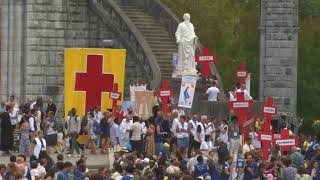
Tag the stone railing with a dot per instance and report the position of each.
(161, 12)
(115, 18)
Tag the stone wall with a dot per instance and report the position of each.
(278, 53)
(42, 31)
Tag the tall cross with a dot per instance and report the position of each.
(285, 142)
(93, 82)
(115, 96)
(205, 58)
(164, 93)
(241, 105)
(242, 74)
(266, 136)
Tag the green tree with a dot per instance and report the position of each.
(230, 29)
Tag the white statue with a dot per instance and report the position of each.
(187, 44)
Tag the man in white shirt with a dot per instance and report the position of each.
(97, 116)
(213, 92)
(125, 127)
(192, 128)
(33, 124)
(14, 113)
(114, 133)
(247, 147)
(200, 133)
(174, 123)
(136, 131)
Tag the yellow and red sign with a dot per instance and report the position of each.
(89, 77)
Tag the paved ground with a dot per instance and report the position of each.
(93, 161)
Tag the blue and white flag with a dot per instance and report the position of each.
(188, 86)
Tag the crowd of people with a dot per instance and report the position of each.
(171, 145)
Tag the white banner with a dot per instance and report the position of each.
(286, 142)
(269, 110)
(248, 79)
(188, 86)
(134, 88)
(266, 137)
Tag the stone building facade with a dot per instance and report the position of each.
(34, 34)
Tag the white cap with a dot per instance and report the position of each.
(146, 160)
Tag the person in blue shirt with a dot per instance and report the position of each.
(129, 175)
(79, 172)
(105, 131)
(165, 154)
(250, 167)
(64, 175)
(226, 168)
(213, 172)
(159, 133)
(200, 169)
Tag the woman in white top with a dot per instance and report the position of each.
(182, 133)
(200, 133)
(90, 129)
(39, 144)
(207, 145)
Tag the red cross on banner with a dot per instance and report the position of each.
(242, 74)
(205, 58)
(241, 105)
(89, 77)
(94, 82)
(164, 93)
(268, 111)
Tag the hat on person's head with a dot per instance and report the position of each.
(170, 170)
(146, 160)
(122, 149)
(166, 145)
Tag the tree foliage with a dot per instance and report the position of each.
(230, 29)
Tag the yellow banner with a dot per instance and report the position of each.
(89, 76)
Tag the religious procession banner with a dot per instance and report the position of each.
(188, 86)
(134, 88)
(89, 76)
(144, 103)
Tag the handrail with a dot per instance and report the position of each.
(115, 18)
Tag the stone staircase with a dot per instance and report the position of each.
(161, 42)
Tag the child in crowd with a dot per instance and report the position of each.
(60, 141)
